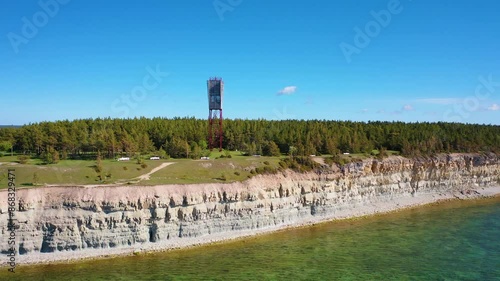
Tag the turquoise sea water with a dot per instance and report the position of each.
(457, 240)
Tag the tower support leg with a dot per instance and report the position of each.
(220, 131)
(210, 132)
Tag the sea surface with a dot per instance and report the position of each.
(458, 240)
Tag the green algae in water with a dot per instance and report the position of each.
(458, 240)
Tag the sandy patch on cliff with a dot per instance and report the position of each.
(319, 160)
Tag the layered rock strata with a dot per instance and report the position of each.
(53, 220)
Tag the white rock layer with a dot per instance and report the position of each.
(56, 220)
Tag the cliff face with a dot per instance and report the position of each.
(56, 219)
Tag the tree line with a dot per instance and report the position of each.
(187, 137)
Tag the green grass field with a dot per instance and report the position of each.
(232, 169)
(72, 172)
(182, 171)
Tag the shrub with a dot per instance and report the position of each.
(36, 179)
(138, 159)
(125, 168)
(23, 159)
(225, 155)
(269, 170)
(283, 164)
(382, 153)
(266, 162)
(265, 170)
(50, 156)
(329, 160)
(299, 164)
(144, 165)
(237, 173)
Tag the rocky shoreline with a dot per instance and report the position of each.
(60, 224)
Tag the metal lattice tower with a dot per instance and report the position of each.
(215, 89)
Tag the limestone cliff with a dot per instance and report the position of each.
(61, 219)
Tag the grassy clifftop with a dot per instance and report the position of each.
(217, 169)
(181, 171)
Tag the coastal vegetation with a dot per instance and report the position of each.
(186, 138)
(85, 151)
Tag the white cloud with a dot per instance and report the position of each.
(442, 101)
(407, 107)
(494, 107)
(288, 90)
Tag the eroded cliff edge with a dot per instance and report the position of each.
(55, 221)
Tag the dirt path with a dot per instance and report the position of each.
(147, 176)
(8, 163)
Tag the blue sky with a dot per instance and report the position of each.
(404, 60)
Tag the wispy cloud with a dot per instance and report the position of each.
(441, 101)
(407, 107)
(287, 90)
(494, 107)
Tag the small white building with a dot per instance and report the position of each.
(124, 159)
(154, 158)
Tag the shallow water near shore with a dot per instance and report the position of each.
(457, 240)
